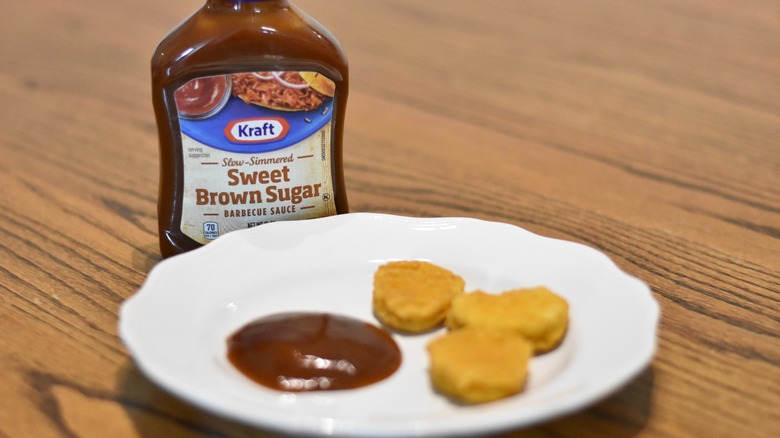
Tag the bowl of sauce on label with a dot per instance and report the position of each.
(203, 97)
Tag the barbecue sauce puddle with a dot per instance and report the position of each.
(301, 351)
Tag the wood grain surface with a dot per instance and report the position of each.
(649, 130)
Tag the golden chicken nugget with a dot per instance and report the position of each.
(414, 296)
(478, 365)
(537, 314)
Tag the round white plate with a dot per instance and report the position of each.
(177, 324)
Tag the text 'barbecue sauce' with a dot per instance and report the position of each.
(250, 101)
(313, 352)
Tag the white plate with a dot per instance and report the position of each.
(177, 324)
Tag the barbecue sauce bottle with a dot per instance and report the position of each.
(250, 101)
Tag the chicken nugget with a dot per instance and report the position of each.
(537, 314)
(414, 296)
(479, 365)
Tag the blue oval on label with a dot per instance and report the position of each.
(246, 128)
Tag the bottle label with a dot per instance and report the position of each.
(256, 148)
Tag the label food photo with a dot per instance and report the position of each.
(256, 148)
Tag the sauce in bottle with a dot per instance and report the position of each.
(250, 101)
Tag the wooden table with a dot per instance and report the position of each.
(648, 130)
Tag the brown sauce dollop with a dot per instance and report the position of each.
(313, 352)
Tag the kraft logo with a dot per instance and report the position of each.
(257, 130)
